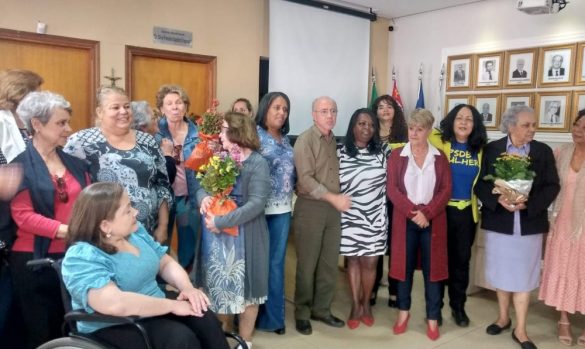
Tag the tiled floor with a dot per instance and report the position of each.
(481, 308)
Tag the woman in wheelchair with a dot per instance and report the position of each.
(111, 268)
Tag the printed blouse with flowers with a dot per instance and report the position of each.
(279, 156)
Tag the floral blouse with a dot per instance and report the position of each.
(141, 170)
(279, 156)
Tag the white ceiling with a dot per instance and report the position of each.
(400, 8)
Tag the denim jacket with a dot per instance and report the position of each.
(191, 140)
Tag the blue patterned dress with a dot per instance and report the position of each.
(235, 269)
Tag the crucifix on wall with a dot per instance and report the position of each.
(113, 78)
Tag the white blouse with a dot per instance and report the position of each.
(420, 182)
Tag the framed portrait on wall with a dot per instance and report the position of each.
(553, 109)
(459, 72)
(556, 65)
(488, 106)
(488, 70)
(515, 99)
(580, 76)
(452, 101)
(578, 104)
(520, 68)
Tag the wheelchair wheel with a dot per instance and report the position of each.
(71, 343)
(235, 341)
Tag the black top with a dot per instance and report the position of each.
(533, 219)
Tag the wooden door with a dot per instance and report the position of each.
(69, 67)
(148, 69)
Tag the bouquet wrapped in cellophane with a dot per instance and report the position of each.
(512, 177)
(218, 177)
(209, 128)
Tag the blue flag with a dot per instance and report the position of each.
(420, 102)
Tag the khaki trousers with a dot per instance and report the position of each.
(317, 229)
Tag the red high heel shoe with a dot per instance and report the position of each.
(368, 320)
(433, 334)
(401, 328)
(353, 323)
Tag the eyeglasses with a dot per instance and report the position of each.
(61, 189)
(324, 112)
(177, 149)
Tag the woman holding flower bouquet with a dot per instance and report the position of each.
(173, 102)
(235, 244)
(564, 265)
(513, 223)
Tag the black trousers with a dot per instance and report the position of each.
(460, 236)
(38, 293)
(168, 332)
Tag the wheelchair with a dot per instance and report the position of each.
(77, 340)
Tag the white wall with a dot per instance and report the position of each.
(429, 38)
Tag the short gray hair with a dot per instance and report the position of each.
(322, 98)
(142, 114)
(422, 117)
(510, 116)
(40, 105)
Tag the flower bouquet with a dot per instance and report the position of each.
(209, 128)
(513, 177)
(218, 177)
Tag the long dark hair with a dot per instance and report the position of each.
(478, 137)
(399, 131)
(265, 104)
(375, 144)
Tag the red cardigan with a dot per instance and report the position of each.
(434, 211)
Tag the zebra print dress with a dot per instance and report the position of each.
(364, 226)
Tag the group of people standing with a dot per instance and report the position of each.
(434, 180)
(393, 186)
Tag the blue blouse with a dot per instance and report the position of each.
(464, 169)
(87, 267)
(279, 156)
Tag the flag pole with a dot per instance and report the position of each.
(441, 80)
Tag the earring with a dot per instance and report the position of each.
(108, 235)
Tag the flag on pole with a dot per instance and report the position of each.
(396, 95)
(420, 102)
(374, 90)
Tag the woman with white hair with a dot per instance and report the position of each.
(41, 209)
(514, 230)
(143, 119)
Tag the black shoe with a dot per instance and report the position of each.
(523, 345)
(329, 320)
(460, 318)
(495, 329)
(373, 299)
(392, 303)
(280, 331)
(304, 327)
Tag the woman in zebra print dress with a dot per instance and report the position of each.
(362, 171)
